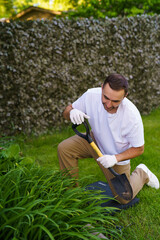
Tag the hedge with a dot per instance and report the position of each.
(45, 65)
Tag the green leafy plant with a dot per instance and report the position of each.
(11, 155)
(37, 203)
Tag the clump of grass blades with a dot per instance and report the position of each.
(36, 203)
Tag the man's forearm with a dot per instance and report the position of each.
(66, 113)
(130, 153)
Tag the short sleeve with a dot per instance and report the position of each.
(80, 103)
(135, 135)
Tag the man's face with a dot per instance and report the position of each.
(111, 99)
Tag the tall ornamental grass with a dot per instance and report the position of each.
(37, 203)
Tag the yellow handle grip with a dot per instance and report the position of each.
(96, 149)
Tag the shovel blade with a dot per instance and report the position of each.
(122, 187)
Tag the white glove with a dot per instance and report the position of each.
(77, 117)
(107, 160)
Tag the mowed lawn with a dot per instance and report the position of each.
(143, 220)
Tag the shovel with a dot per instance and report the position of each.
(120, 182)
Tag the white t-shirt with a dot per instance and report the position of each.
(114, 133)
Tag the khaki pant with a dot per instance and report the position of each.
(74, 148)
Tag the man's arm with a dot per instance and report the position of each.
(66, 113)
(130, 153)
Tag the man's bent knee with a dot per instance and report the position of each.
(62, 146)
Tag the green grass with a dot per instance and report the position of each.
(143, 220)
(44, 150)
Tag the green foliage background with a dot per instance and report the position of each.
(85, 8)
(114, 8)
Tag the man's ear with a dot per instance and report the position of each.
(126, 94)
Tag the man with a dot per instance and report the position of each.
(117, 129)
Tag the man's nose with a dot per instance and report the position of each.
(109, 103)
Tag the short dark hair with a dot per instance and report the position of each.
(117, 82)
